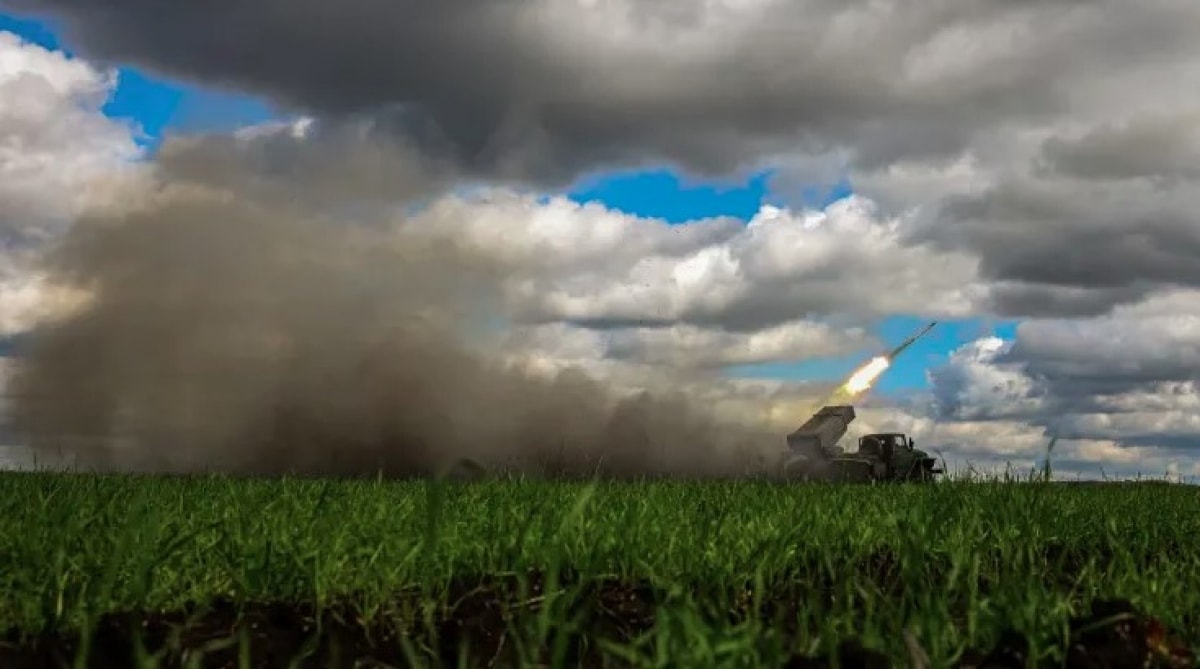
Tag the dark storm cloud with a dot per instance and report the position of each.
(1054, 249)
(1033, 300)
(1078, 372)
(551, 87)
(1162, 147)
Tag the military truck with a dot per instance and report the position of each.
(882, 457)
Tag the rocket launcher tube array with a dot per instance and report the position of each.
(822, 431)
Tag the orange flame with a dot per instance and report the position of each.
(864, 376)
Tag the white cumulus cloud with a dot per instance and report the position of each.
(58, 153)
(585, 263)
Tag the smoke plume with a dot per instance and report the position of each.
(260, 315)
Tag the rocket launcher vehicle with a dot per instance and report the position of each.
(813, 449)
(881, 457)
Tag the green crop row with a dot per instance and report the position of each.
(951, 564)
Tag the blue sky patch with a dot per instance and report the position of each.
(158, 106)
(41, 33)
(663, 193)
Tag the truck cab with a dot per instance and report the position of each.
(896, 456)
(885, 443)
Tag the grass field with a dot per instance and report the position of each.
(562, 574)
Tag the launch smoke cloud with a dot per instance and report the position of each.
(254, 316)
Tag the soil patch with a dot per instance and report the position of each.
(483, 620)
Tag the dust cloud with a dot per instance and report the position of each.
(257, 316)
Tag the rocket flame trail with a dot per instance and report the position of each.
(863, 377)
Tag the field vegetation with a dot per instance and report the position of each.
(218, 571)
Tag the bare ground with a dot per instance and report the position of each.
(478, 621)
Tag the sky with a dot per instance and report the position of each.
(776, 213)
